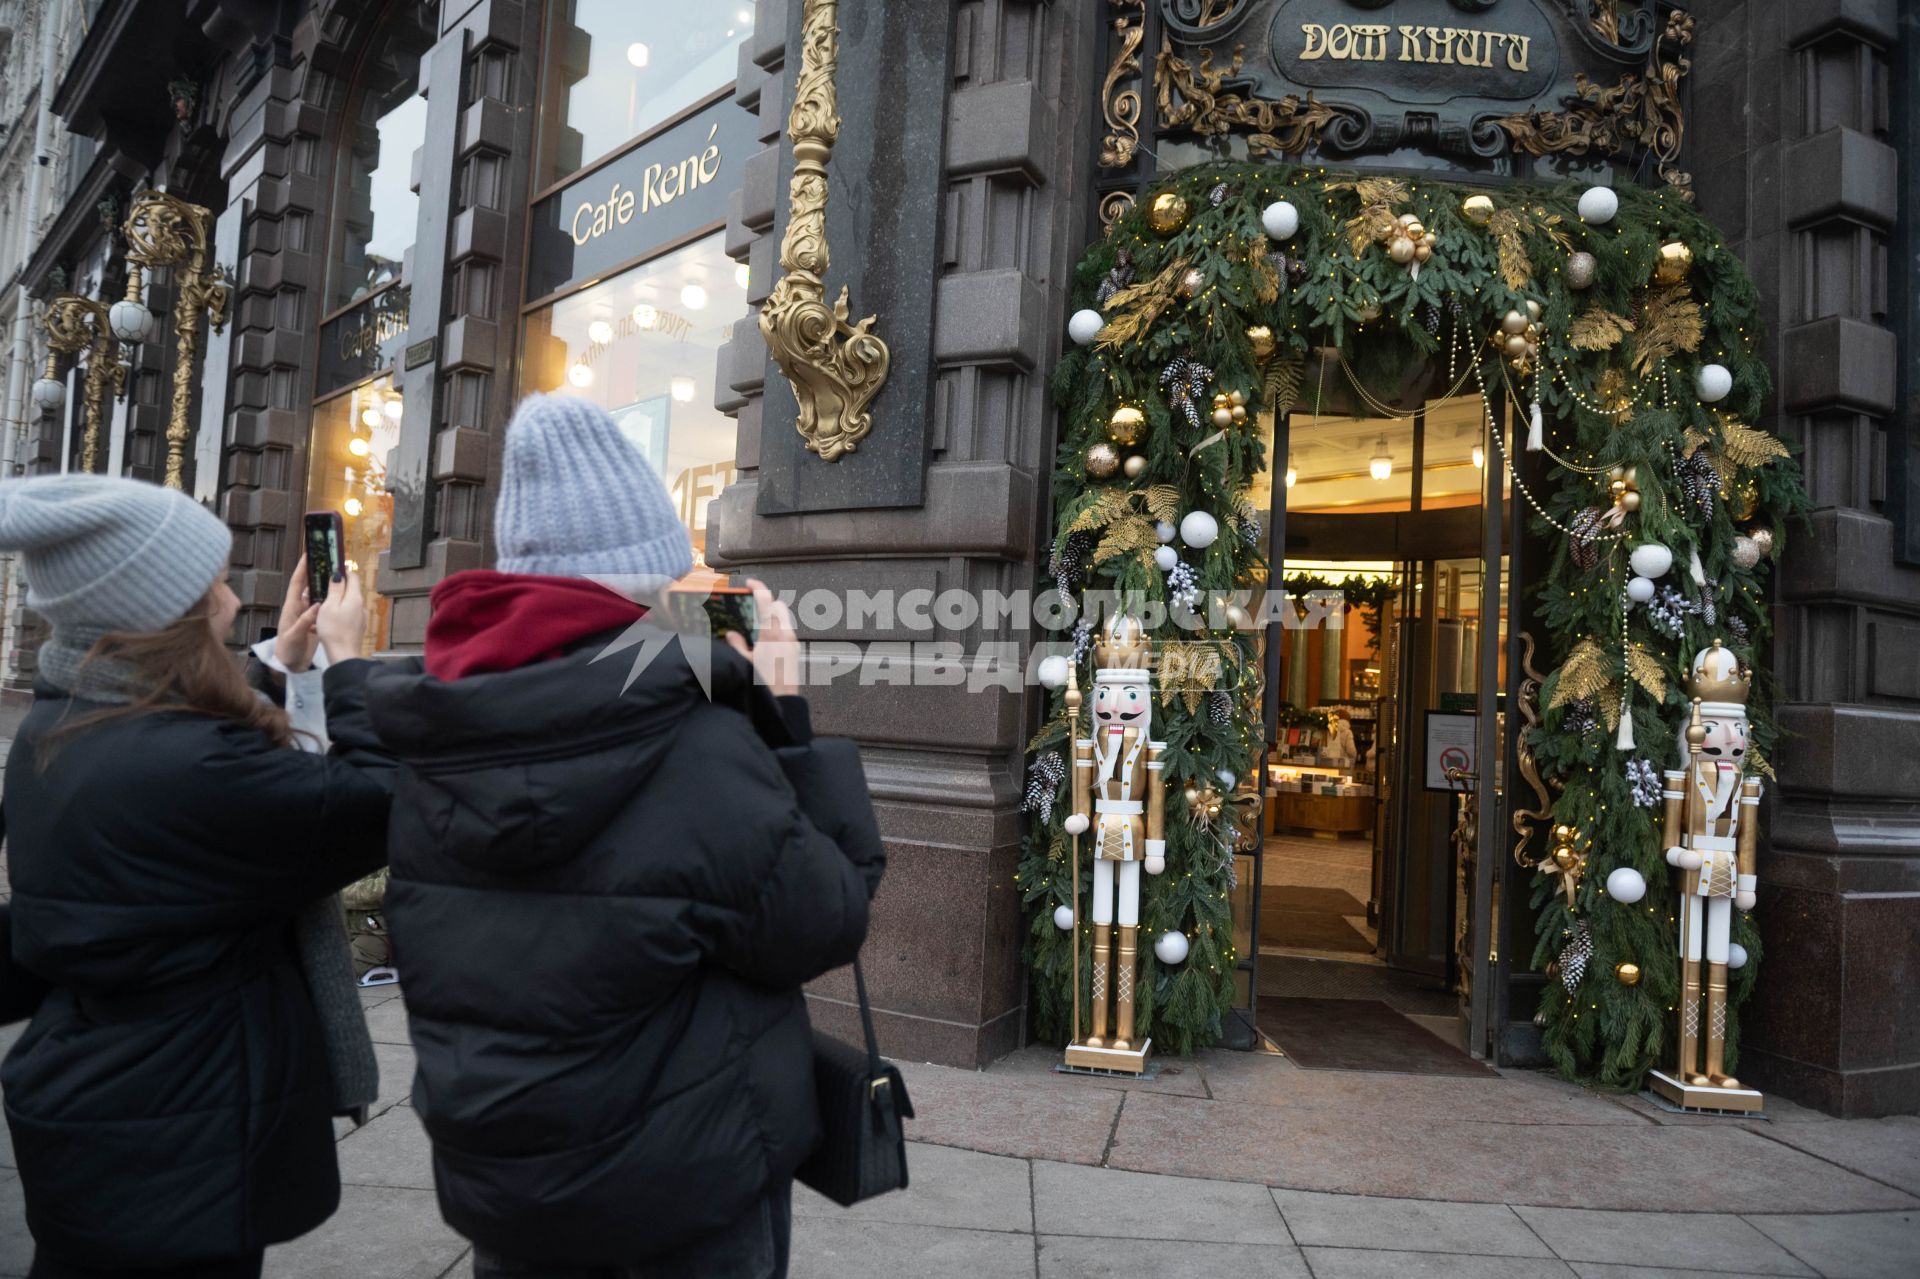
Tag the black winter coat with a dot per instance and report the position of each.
(170, 1101)
(604, 904)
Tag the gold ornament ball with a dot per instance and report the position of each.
(1477, 209)
(1400, 249)
(1167, 213)
(1564, 833)
(1580, 268)
(1239, 413)
(1192, 282)
(1744, 501)
(1423, 251)
(1221, 400)
(1746, 551)
(1223, 418)
(1262, 339)
(1415, 231)
(1409, 219)
(1126, 424)
(1675, 260)
(1533, 310)
(1628, 974)
(1193, 794)
(1564, 856)
(1517, 346)
(1239, 618)
(1763, 538)
(1101, 460)
(1134, 467)
(1630, 501)
(1236, 397)
(1513, 322)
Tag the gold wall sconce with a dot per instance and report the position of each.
(836, 368)
(165, 231)
(75, 324)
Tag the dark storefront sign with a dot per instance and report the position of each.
(358, 343)
(1506, 54)
(673, 184)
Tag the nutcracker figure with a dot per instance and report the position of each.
(1712, 828)
(1120, 797)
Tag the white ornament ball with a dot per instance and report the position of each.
(1171, 947)
(1166, 557)
(1280, 219)
(1598, 205)
(1164, 531)
(1063, 918)
(1227, 778)
(1746, 552)
(1054, 670)
(1626, 885)
(1650, 559)
(1085, 326)
(1198, 529)
(1712, 383)
(1640, 589)
(1736, 955)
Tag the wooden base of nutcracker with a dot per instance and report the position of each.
(1704, 1097)
(1131, 1061)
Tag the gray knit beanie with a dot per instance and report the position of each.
(102, 553)
(578, 500)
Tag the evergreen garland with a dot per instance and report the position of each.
(1617, 388)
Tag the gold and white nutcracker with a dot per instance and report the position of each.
(1119, 794)
(1712, 830)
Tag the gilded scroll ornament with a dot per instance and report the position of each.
(1121, 106)
(1529, 704)
(1192, 97)
(75, 324)
(836, 368)
(165, 231)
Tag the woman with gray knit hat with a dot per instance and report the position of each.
(171, 1102)
(610, 879)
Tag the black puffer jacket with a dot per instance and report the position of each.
(170, 1100)
(604, 903)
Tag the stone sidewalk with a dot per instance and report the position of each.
(1236, 1164)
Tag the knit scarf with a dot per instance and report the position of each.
(320, 927)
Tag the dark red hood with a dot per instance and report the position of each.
(486, 621)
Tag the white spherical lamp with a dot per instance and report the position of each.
(128, 320)
(1054, 670)
(1166, 557)
(1085, 326)
(1712, 383)
(1280, 219)
(1736, 955)
(49, 393)
(1650, 559)
(1171, 948)
(1199, 529)
(1063, 918)
(1598, 205)
(1640, 589)
(1626, 885)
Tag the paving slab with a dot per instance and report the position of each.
(392, 1150)
(976, 1111)
(1885, 1149)
(377, 1234)
(841, 1248)
(1034, 1067)
(1869, 1245)
(1682, 1240)
(1411, 1225)
(1071, 1200)
(1084, 1257)
(387, 1022)
(1367, 1263)
(1604, 1270)
(1631, 1166)
(1513, 1097)
(396, 1075)
(945, 1187)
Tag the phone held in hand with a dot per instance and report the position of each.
(728, 608)
(326, 552)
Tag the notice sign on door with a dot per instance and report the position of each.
(1451, 743)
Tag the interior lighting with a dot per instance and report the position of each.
(683, 389)
(1292, 475)
(693, 297)
(741, 275)
(358, 446)
(638, 54)
(600, 331)
(1479, 457)
(370, 416)
(580, 374)
(395, 406)
(1380, 466)
(352, 507)
(646, 316)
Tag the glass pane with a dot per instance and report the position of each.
(618, 68)
(347, 472)
(1349, 464)
(643, 346)
(376, 207)
(1454, 456)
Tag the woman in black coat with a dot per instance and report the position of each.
(171, 1102)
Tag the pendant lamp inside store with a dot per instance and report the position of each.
(1381, 464)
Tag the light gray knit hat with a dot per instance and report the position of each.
(577, 499)
(102, 553)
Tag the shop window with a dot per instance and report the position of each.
(1349, 464)
(616, 69)
(353, 434)
(643, 345)
(386, 122)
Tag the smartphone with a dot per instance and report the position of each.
(728, 608)
(326, 552)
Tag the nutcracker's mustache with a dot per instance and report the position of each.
(1124, 715)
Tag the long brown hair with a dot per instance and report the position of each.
(183, 666)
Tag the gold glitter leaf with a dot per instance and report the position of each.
(1644, 667)
(1598, 330)
(1583, 675)
(1163, 502)
(1108, 505)
(1670, 322)
(1130, 533)
(1748, 445)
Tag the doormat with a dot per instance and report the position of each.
(1359, 1034)
(1311, 919)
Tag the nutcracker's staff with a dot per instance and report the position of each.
(1073, 727)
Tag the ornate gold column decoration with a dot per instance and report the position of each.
(836, 368)
(1122, 106)
(165, 231)
(76, 324)
(1193, 96)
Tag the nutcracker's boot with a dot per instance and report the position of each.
(1717, 1028)
(1102, 950)
(1689, 1071)
(1123, 987)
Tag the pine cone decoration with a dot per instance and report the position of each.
(1579, 718)
(1043, 784)
(1699, 481)
(1583, 547)
(1574, 959)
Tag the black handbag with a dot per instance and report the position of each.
(863, 1148)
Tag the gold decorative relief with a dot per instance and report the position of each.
(836, 368)
(76, 324)
(1113, 207)
(1529, 704)
(1191, 97)
(165, 231)
(1122, 105)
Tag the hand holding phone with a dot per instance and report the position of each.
(775, 650)
(326, 547)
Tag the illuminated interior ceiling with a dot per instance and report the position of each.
(1335, 460)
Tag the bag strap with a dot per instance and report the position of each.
(874, 1066)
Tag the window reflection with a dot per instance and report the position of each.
(618, 68)
(353, 435)
(376, 205)
(643, 345)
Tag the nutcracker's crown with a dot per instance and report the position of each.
(1717, 676)
(1123, 644)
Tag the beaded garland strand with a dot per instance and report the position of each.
(1198, 307)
